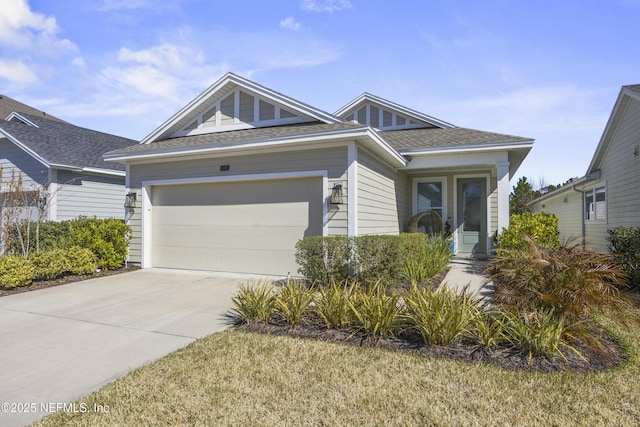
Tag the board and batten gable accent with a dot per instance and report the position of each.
(333, 160)
(88, 195)
(14, 159)
(377, 196)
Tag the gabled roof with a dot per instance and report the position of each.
(226, 84)
(9, 105)
(369, 98)
(627, 93)
(413, 141)
(62, 145)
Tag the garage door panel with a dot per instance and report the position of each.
(249, 227)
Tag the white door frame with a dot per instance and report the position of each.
(487, 177)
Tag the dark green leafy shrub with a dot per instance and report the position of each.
(50, 264)
(540, 226)
(80, 260)
(107, 238)
(567, 281)
(42, 238)
(377, 259)
(624, 244)
(323, 259)
(15, 271)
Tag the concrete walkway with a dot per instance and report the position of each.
(468, 271)
(62, 343)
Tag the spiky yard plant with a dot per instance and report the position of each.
(255, 303)
(440, 316)
(293, 301)
(568, 281)
(487, 330)
(374, 311)
(422, 264)
(540, 334)
(333, 304)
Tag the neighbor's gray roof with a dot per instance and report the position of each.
(435, 138)
(635, 88)
(240, 137)
(62, 143)
(9, 105)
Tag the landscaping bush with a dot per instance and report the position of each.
(50, 264)
(567, 281)
(374, 311)
(440, 316)
(624, 244)
(377, 259)
(107, 238)
(255, 303)
(423, 256)
(333, 305)
(80, 260)
(540, 226)
(15, 271)
(293, 301)
(47, 236)
(323, 259)
(487, 330)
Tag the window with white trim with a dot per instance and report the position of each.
(430, 197)
(595, 202)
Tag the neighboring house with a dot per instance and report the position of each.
(62, 162)
(608, 195)
(235, 178)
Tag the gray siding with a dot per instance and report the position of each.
(333, 160)
(567, 207)
(89, 195)
(13, 158)
(377, 197)
(620, 170)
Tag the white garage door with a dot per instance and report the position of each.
(242, 227)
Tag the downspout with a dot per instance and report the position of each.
(584, 228)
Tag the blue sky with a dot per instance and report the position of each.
(550, 70)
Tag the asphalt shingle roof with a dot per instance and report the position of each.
(9, 105)
(62, 143)
(433, 138)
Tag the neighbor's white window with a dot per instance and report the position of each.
(596, 204)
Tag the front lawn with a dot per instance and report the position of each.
(239, 378)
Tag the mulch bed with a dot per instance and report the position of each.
(42, 284)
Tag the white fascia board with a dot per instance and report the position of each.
(247, 84)
(396, 107)
(357, 132)
(77, 169)
(24, 148)
(457, 160)
(558, 191)
(469, 148)
(15, 114)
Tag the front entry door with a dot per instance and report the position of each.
(472, 215)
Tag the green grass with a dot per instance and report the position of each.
(236, 378)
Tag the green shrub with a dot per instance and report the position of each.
(15, 271)
(423, 256)
(377, 259)
(540, 226)
(440, 316)
(540, 334)
(293, 301)
(50, 264)
(567, 281)
(107, 238)
(323, 259)
(624, 244)
(47, 236)
(374, 311)
(487, 330)
(255, 303)
(333, 305)
(80, 260)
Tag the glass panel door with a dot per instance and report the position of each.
(472, 215)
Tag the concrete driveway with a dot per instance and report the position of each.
(59, 344)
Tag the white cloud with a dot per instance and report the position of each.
(325, 5)
(78, 61)
(17, 72)
(110, 5)
(20, 28)
(290, 23)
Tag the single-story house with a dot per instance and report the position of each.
(62, 163)
(236, 177)
(608, 195)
